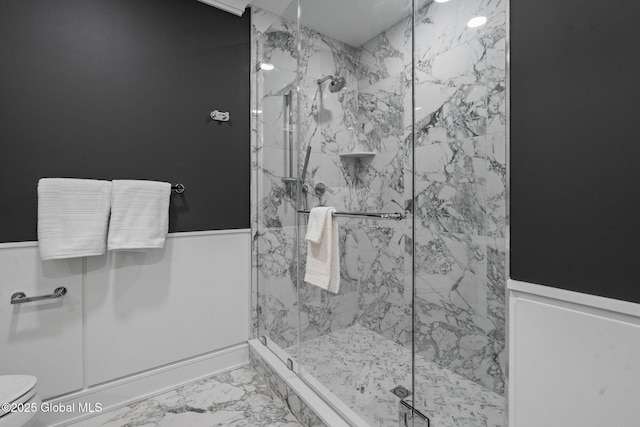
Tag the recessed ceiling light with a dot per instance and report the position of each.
(266, 66)
(441, 1)
(477, 21)
(256, 111)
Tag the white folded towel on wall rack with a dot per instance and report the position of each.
(323, 251)
(72, 217)
(139, 214)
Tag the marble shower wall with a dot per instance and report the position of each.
(460, 189)
(459, 183)
(385, 293)
(325, 120)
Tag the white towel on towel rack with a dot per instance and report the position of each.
(139, 214)
(323, 251)
(72, 217)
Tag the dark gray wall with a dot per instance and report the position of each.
(575, 151)
(121, 89)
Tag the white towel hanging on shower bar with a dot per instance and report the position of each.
(323, 252)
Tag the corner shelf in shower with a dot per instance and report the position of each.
(357, 154)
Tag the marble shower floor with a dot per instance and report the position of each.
(235, 398)
(361, 367)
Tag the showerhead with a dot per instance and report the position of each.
(336, 84)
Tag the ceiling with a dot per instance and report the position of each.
(353, 22)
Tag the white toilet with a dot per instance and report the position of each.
(20, 392)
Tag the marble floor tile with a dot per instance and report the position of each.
(235, 398)
(360, 367)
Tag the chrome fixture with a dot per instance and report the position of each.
(220, 116)
(401, 391)
(306, 164)
(375, 215)
(266, 66)
(336, 84)
(178, 188)
(21, 297)
(410, 416)
(303, 177)
(290, 181)
(320, 189)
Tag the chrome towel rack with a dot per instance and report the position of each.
(21, 297)
(178, 188)
(397, 216)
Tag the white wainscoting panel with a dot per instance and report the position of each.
(42, 338)
(148, 309)
(574, 359)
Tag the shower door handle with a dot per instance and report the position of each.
(410, 417)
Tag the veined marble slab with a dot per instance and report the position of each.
(235, 398)
(361, 367)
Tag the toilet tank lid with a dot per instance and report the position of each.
(14, 386)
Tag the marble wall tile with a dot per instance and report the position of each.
(325, 120)
(494, 367)
(381, 114)
(494, 77)
(382, 292)
(450, 193)
(276, 284)
(328, 120)
(459, 189)
(496, 185)
(279, 44)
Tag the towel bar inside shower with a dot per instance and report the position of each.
(397, 216)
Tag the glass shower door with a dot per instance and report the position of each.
(355, 115)
(459, 207)
(275, 59)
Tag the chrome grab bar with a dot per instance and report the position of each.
(375, 215)
(21, 297)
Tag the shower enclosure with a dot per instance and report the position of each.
(392, 112)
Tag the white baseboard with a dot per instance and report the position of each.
(116, 394)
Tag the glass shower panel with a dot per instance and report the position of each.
(276, 155)
(355, 114)
(459, 208)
